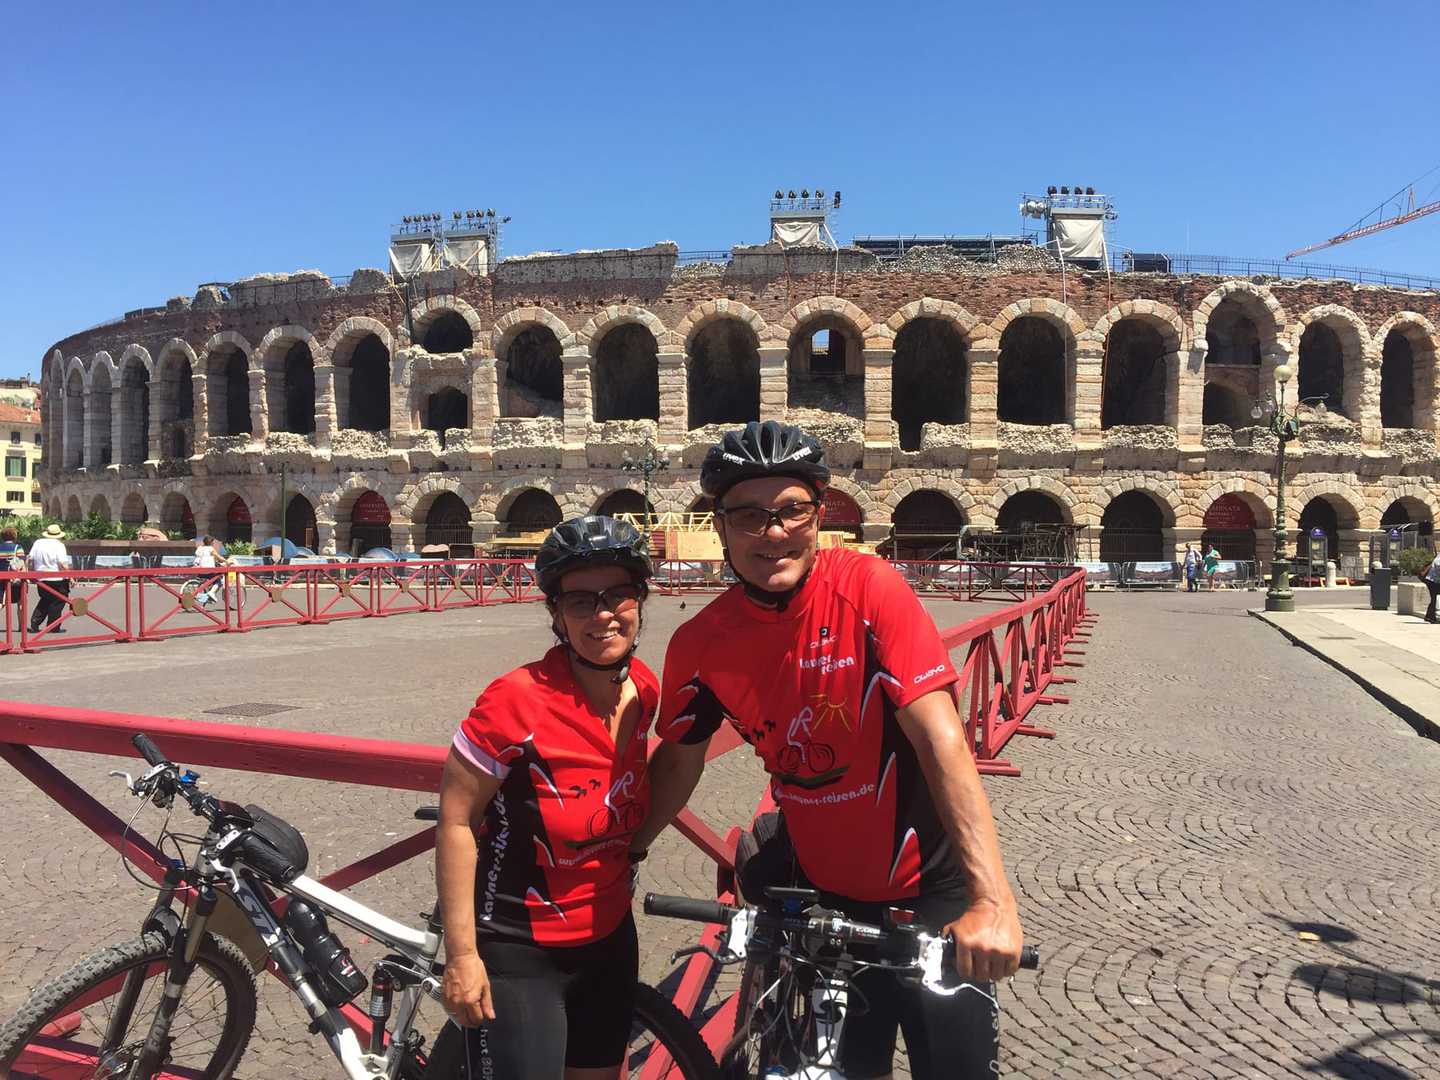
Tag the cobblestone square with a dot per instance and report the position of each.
(1213, 794)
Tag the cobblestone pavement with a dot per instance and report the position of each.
(1213, 794)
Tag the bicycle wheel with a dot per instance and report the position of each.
(770, 1020)
(61, 1030)
(820, 757)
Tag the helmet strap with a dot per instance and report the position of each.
(766, 597)
(621, 667)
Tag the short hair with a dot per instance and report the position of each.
(207, 539)
(8, 533)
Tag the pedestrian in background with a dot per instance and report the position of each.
(1192, 568)
(1212, 563)
(1431, 577)
(49, 556)
(12, 557)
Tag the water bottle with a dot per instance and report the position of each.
(337, 979)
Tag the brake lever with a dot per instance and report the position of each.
(691, 950)
(129, 780)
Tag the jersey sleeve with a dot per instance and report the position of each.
(689, 710)
(491, 736)
(905, 637)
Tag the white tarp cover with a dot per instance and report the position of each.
(470, 252)
(1079, 237)
(795, 233)
(410, 258)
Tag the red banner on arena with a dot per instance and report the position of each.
(370, 509)
(1229, 513)
(239, 513)
(841, 509)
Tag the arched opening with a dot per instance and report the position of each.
(227, 388)
(299, 390)
(132, 509)
(925, 525)
(448, 523)
(723, 374)
(100, 406)
(1409, 515)
(235, 524)
(843, 514)
(74, 446)
(625, 501)
(176, 516)
(1322, 366)
(531, 511)
(825, 368)
(445, 409)
(100, 507)
(177, 406)
(1031, 526)
(73, 513)
(1231, 338)
(626, 376)
(447, 332)
(1397, 382)
(300, 527)
(1319, 524)
(1229, 528)
(927, 380)
(1027, 509)
(1131, 529)
(369, 523)
(1224, 405)
(1134, 390)
(1032, 383)
(134, 413)
(532, 376)
(362, 386)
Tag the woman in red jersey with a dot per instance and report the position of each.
(544, 787)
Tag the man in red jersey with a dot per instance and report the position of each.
(828, 666)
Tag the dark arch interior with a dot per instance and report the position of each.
(724, 375)
(1134, 375)
(135, 405)
(1026, 509)
(534, 374)
(369, 523)
(447, 332)
(132, 510)
(448, 522)
(824, 369)
(1322, 366)
(926, 525)
(445, 409)
(1231, 338)
(1397, 382)
(1398, 513)
(1222, 405)
(532, 511)
(1032, 373)
(299, 390)
(626, 377)
(236, 523)
(927, 378)
(232, 405)
(625, 501)
(369, 396)
(1318, 514)
(178, 427)
(1131, 529)
(73, 422)
(300, 527)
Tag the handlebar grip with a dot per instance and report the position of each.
(1029, 961)
(148, 750)
(1030, 957)
(685, 907)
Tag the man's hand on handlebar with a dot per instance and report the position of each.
(987, 939)
(466, 990)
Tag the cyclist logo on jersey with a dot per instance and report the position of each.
(702, 717)
(805, 761)
(620, 814)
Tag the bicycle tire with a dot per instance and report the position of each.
(654, 1017)
(53, 1002)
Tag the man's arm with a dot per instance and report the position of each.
(988, 936)
(675, 769)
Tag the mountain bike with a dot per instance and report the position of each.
(180, 999)
(800, 963)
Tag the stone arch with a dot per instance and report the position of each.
(1165, 496)
(616, 314)
(969, 326)
(56, 511)
(1028, 364)
(100, 412)
(621, 500)
(136, 353)
(702, 315)
(825, 361)
(414, 502)
(428, 310)
(76, 365)
(925, 523)
(722, 373)
(173, 507)
(133, 437)
(174, 398)
(73, 512)
(515, 322)
(74, 396)
(289, 356)
(132, 507)
(1350, 505)
(625, 371)
(1133, 523)
(229, 357)
(838, 309)
(1162, 317)
(361, 355)
(1256, 496)
(351, 331)
(1063, 317)
(870, 510)
(1259, 304)
(536, 503)
(100, 506)
(1353, 342)
(221, 522)
(1420, 335)
(1418, 493)
(373, 530)
(1062, 495)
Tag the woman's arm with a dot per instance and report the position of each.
(465, 794)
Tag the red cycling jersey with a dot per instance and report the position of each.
(814, 690)
(554, 865)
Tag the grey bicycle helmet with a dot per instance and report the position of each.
(592, 540)
(764, 449)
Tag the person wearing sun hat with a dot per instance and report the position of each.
(49, 556)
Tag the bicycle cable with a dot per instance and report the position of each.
(125, 859)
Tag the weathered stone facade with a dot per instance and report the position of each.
(154, 409)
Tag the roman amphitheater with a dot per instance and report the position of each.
(467, 408)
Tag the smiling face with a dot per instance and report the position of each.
(606, 636)
(778, 558)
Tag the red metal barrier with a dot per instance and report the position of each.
(1001, 683)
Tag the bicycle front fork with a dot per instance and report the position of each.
(183, 951)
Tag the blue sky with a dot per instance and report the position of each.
(149, 147)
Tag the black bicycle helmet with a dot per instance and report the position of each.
(592, 540)
(763, 449)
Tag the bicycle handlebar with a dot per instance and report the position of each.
(685, 907)
(148, 750)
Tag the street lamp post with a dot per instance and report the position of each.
(1284, 424)
(645, 466)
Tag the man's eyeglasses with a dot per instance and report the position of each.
(755, 520)
(583, 604)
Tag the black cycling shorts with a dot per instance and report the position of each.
(554, 1006)
(954, 1038)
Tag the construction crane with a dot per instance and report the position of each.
(1411, 213)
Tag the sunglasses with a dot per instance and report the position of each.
(756, 520)
(583, 604)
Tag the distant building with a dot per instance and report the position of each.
(20, 431)
(20, 391)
